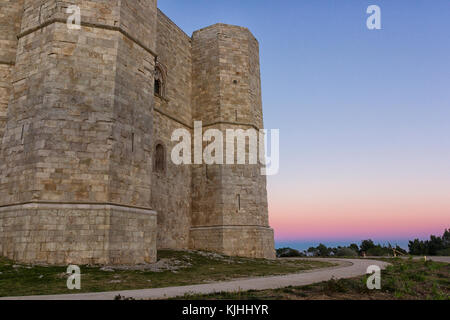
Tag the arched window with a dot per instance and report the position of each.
(159, 82)
(160, 158)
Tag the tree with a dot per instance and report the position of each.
(417, 247)
(366, 245)
(320, 251)
(434, 245)
(354, 247)
(446, 238)
(323, 251)
(312, 250)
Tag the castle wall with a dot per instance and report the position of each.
(229, 212)
(175, 55)
(206, 104)
(206, 107)
(10, 19)
(131, 157)
(58, 117)
(80, 106)
(241, 109)
(80, 124)
(171, 189)
(5, 89)
(80, 98)
(81, 234)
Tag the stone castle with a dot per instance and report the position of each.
(86, 118)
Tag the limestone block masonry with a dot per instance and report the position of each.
(86, 118)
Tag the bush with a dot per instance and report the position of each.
(288, 252)
(346, 252)
(333, 286)
(379, 251)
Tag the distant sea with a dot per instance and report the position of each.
(304, 245)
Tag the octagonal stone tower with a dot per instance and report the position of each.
(229, 212)
(86, 118)
(74, 186)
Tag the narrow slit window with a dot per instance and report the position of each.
(160, 159)
(158, 87)
(22, 133)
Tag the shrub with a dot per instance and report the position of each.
(346, 252)
(378, 251)
(288, 252)
(333, 286)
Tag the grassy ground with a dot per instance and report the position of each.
(174, 268)
(404, 279)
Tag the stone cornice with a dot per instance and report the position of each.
(8, 63)
(231, 123)
(230, 227)
(205, 125)
(172, 118)
(75, 205)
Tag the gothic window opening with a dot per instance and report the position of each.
(160, 159)
(159, 82)
(158, 87)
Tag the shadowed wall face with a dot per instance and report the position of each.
(10, 19)
(171, 186)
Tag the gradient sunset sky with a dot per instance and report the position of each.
(364, 116)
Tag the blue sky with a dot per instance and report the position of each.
(364, 115)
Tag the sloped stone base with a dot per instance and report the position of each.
(243, 241)
(62, 234)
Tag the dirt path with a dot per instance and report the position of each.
(347, 268)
